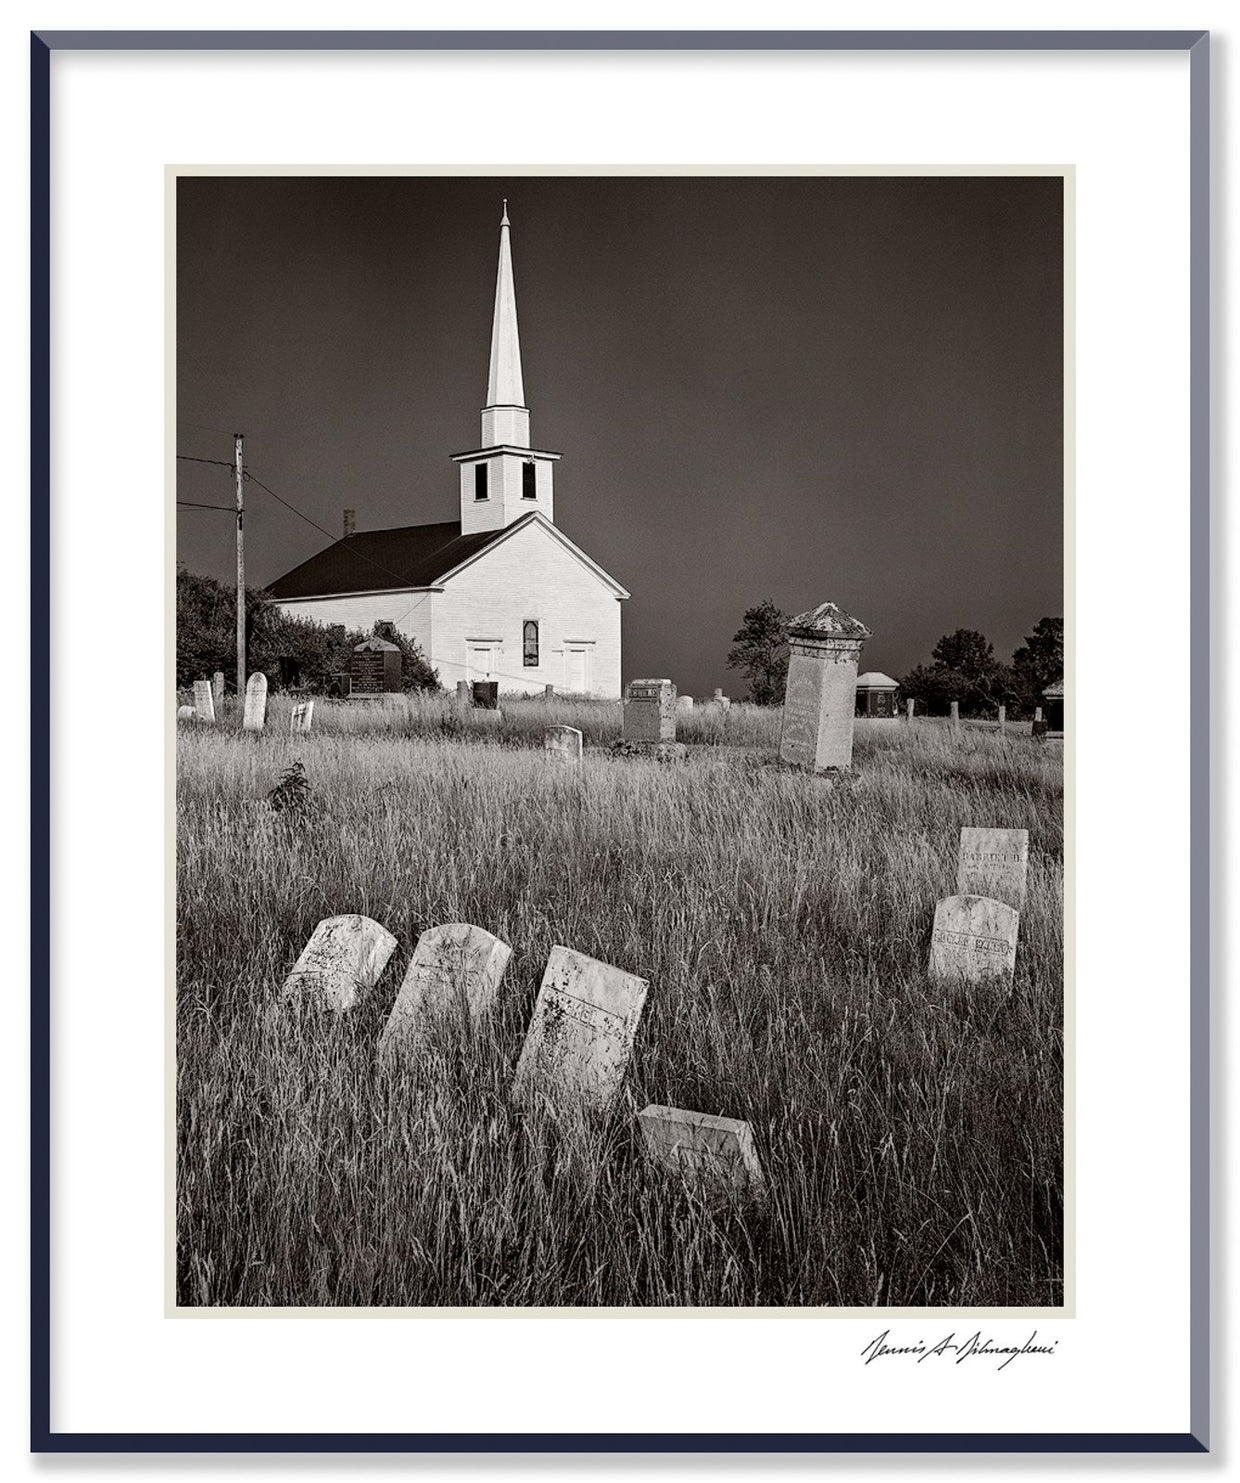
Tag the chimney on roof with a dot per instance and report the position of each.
(350, 523)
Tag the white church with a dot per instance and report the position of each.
(498, 594)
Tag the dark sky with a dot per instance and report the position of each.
(807, 389)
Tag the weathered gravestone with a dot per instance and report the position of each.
(994, 863)
(563, 744)
(255, 702)
(462, 691)
(721, 700)
(1003, 720)
(650, 711)
(909, 707)
(375, 668)
(204, 701)
(820, 698)
(684, 703)
(714, 1150)
(974, 939)
(548, 691)
(486, 695)
(217, 686)
(302, 718)
(186, 713)
(344, 957)
(581, 1036)
(956, 717)
(452, 965)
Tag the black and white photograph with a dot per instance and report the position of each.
(622, 697)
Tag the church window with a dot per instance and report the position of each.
(529, 643)
(529, 488)
(480, 481)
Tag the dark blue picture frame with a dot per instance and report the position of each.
(43, 1438)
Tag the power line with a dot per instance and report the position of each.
(219, 462)
(194, 505)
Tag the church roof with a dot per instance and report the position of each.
(409, 556)
(379, 560)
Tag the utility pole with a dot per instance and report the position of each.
(239, 439)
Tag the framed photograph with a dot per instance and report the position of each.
(645, 875)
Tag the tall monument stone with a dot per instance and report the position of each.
(820, 698)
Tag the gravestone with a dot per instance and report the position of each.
(650, 711)
(217, 686)
(255, 702)
(548, 691)
(486, 695)
(714, 1150)
(974, 939)
(909, 706)
(204, 701)
(1037, 713)
(452, 965)
(684, 703)
(721, 700)
(344, 957)
(186, 713)
(1003, 720)
(994, 863)
(563, 744)
(581, 1036)
(956, 717)
(375, 668)
(820, 696)
(302, 718)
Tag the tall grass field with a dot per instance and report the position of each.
(911, 1133)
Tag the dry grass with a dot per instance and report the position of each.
(912, 1135)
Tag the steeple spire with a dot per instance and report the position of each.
(504, 384)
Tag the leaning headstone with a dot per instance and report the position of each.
(712, 1150)
(186, 713)
(217, 686)
(650, 711)
(580, 1039)
(563, 744)
(344, 957)
(820, 697)
(994, 863)
(302, 718)
(455, 964)
(204, 701)
(255, 702)
(974, 939)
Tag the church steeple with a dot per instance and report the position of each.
(505, 478)
(505, 389)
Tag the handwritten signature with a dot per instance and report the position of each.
(974, 1347)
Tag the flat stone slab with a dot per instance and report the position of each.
(255, 703)
(302, 718)
(994, 863)
(344, 958)
(563, 744)
(204, 701)
(974, 939)
(713, 1150)
(454, 965)
(581, 1035)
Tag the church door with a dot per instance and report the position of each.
(576, 676)
(482, 662)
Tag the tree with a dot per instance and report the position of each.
(760, 651)
(1038, 663)
(964, 670)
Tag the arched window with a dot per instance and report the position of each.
(529, 643)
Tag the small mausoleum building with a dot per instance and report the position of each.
(1053, 696)
(876, 695)
(498, 594)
